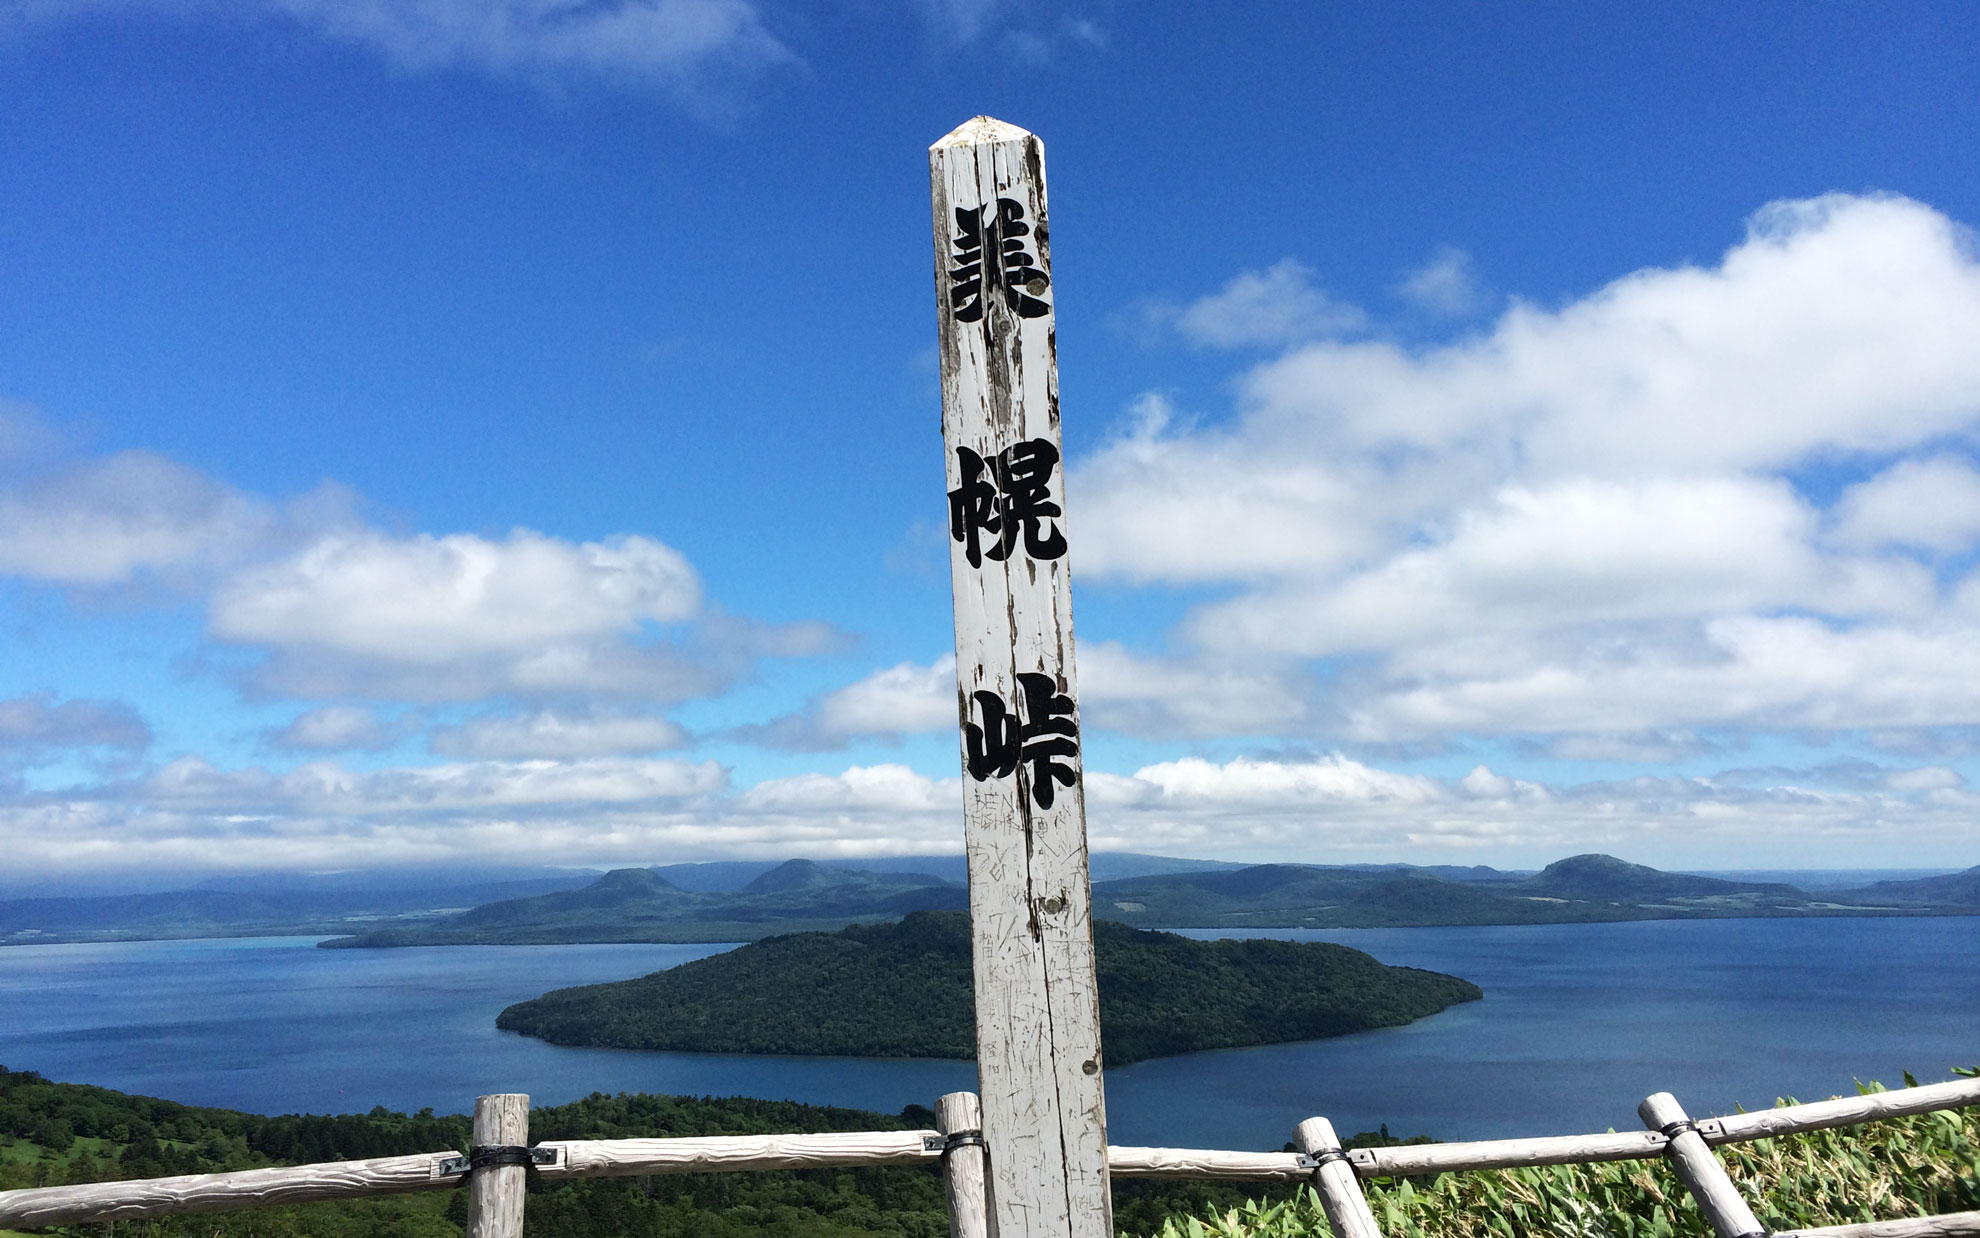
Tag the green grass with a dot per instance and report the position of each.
(1886, 1170)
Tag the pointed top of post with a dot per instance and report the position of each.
(979, 130)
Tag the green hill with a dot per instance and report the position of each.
(903, 990)
(639, 904)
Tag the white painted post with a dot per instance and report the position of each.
(960, 1118)
(1024, 813)
(495, 1193)
(1699, 1169)
(1340, 1191)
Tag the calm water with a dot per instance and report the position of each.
(1578, 1023)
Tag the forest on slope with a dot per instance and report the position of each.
(56, 1134)
(904, 990)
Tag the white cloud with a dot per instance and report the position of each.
(35, 726)
(1446, 284)
(1327, 809)
(1279, 305)
(325, 788)
(1118, 690)
(1122, 690)
(905, 699)
(1583, 526)
(338, 728)
(558, 735)
(1577, 552)
(901, 700)
(462, 617)
(1932, 503)
(108, 521)
(429, 599)
(1925, 778)
(674, 42)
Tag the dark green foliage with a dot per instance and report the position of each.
(903, 990)
(107, 1135)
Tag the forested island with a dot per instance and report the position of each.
(903, 990)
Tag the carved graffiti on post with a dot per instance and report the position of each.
(1024, 807)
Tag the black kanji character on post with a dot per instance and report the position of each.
(990, 254)
(1043, 736)
(1051, 737)
(992, 750)
(1005, 498)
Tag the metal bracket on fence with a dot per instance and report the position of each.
(1713, 1129)
(1314, 1160)
(498, 1154)
(948, 1143)
(1361, 1158)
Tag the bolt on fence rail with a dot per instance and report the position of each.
(500, 1163)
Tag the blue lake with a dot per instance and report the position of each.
(1579, 1022)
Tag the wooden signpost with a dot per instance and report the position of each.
(1024, 816)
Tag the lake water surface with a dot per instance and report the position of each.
(1579, 1022)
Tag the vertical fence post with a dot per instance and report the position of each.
(1702, 1174)
(959, 1115)
(1024, 799)
(1340, 1191)
(495, 1192)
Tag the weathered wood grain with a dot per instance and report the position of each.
(252, 1188)
(1843, 1111)
(1951, 1225)
(496, 1192)
(1133, 1162)
(1340, 1191)
(586, 1158)
(965, 1166)
(1692, 1159)
(1434, 1158)
(1038, 1030)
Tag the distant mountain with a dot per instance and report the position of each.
(903, 990)
(1953, 889)
(297, 906)
(729, 876)
(759, 898)
(1578, 889)
(639, 904)
(1605, 879)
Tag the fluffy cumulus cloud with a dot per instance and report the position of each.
(1736, 496)
(305, 600)
(678, 43)
(463, 617)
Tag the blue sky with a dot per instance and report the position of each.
(509, 429)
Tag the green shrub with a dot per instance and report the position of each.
(1885, 1170)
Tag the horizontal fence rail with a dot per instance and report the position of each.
(583, 1158)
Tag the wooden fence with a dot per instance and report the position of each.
(502, 1161)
